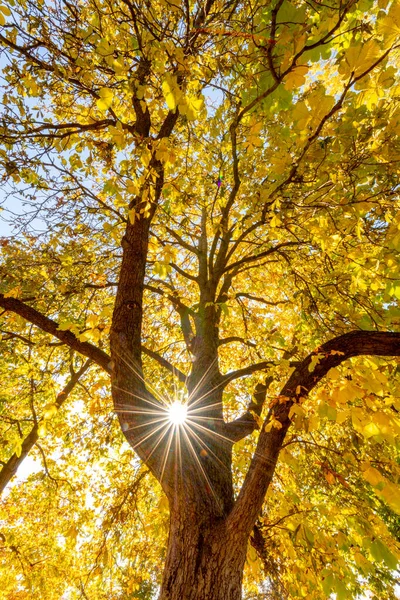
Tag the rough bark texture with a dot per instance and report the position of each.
(205, 558)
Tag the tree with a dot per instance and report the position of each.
(212, 188)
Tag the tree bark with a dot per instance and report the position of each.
(205, 558)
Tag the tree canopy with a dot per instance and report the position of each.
(203, 206)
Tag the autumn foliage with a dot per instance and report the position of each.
(200, 203)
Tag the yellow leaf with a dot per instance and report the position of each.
(104, 48)
(301, 116)
(333, 374)
(118, 65)
(342, 416)
(360, 58)
(391, 495)
(315, 359)
(191, 106)
(251, 553)
(273, 423)
(329, 476)
(171, 92)
(275, 222)
(373, 476)
(320, 105)
(18, 447)
(370, 429)
(132, 215)
(133, 188)
(66, 325)
(389, 26)
(13, 293)
(296, 77)
(106, 98)
(257, 418)
(42, 430)
(50, 410)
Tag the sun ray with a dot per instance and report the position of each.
(210, 486)
(209, 431)
(178, 449)
(147, 384)
(164, 403)
(160, 438)
(206, 446)
(153, 432)
(122, 408)
(170, 438)
(207, 394)
(203, 408)
(147, 424)
(201, 380)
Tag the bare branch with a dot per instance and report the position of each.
(265, 364)
(259, 299)
(255, 257)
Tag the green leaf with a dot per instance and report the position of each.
(327, 583)
(382, 553)
(340, 589)
(309, 536)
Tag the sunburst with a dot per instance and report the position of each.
(177, 413)
(176, 421)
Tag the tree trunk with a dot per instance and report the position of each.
(205, 558)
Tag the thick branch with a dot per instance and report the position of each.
(248, 422)
(49, 326)
(236, 338)
(69, 338)
(300, 383)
